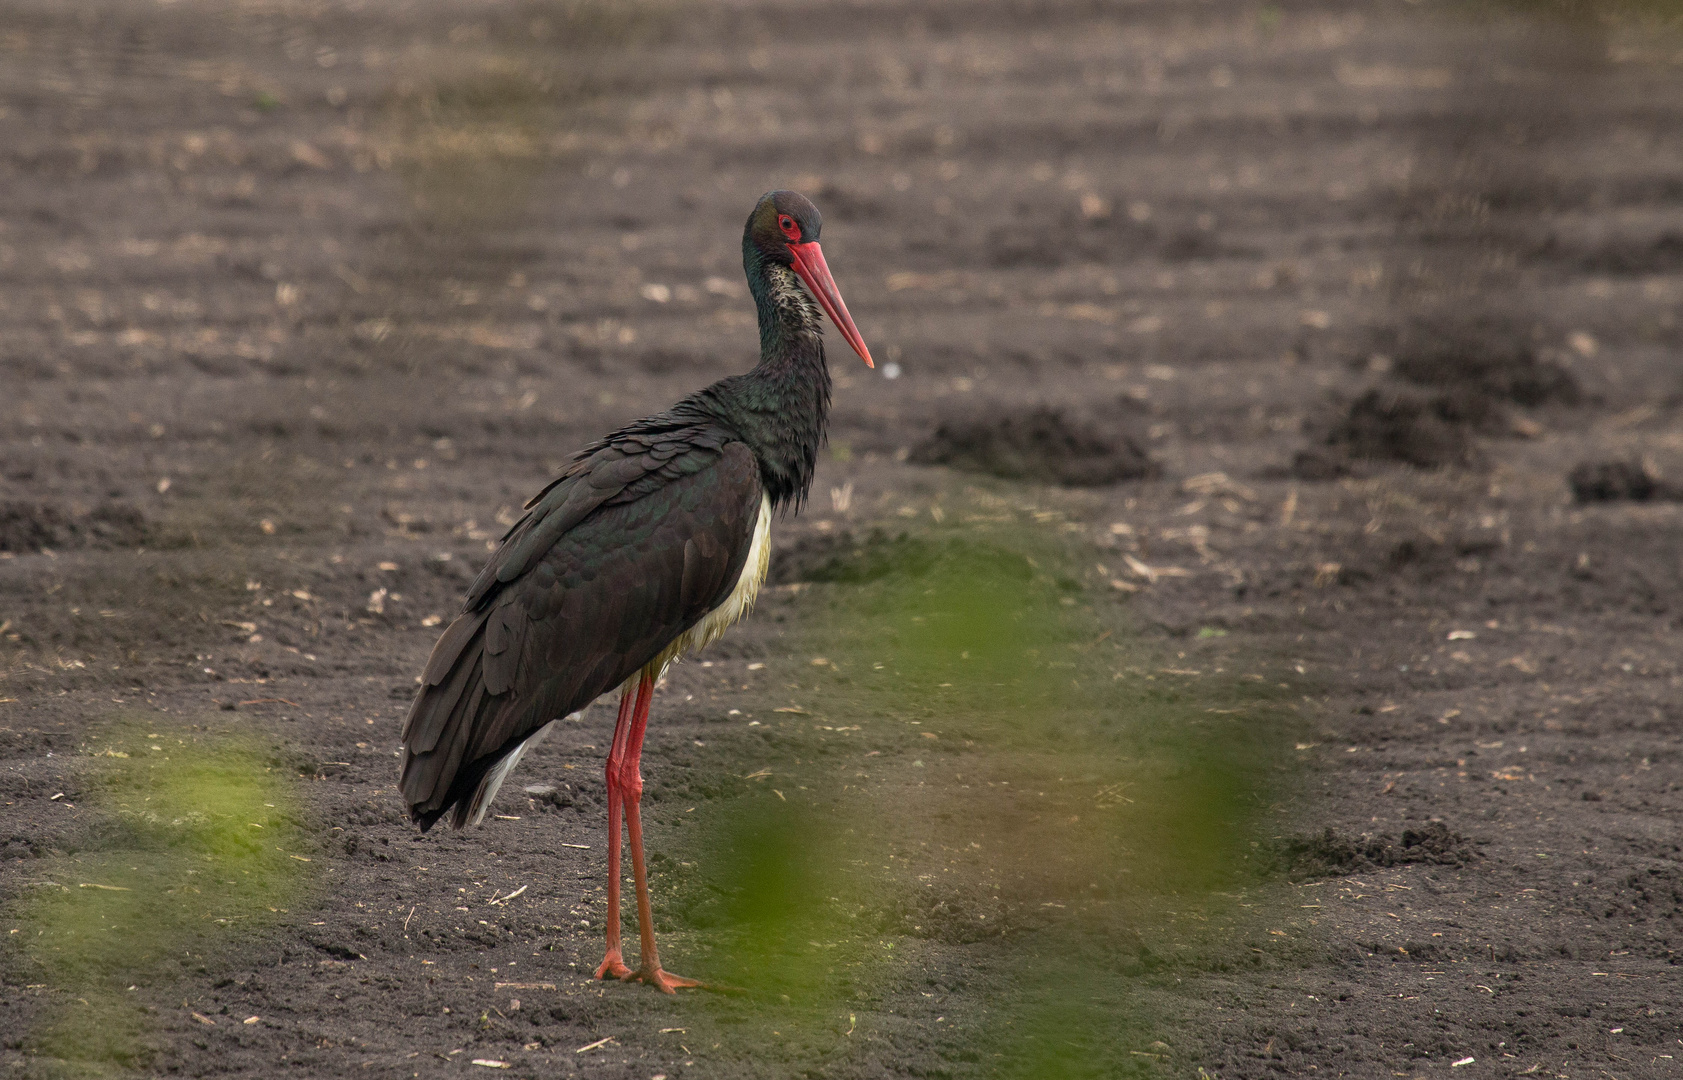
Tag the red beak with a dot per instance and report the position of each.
(809, 264)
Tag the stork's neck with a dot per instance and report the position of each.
(781, 408)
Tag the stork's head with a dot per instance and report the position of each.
(784, 227)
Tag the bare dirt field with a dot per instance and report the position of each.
(1233, 633)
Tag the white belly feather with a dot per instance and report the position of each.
(737, 604)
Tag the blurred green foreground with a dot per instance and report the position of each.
(194, 841)
(979, 760)
(986, 790)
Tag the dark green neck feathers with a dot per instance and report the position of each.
(780, 408)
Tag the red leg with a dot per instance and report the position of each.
(649, 970)
(613, 962)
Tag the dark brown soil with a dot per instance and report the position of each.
(33, 527)
(842, 559)
(1490, 358)
(1329, 727)
(1612, 481)
(1039, 445)
(1395, 423)
(1330, 854)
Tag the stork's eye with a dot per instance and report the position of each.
(787, 224)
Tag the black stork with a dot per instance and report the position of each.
(650, 543)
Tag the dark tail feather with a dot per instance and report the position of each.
(437, 729)
(452, 644)
(469, 791)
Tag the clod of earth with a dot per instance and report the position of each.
(1663, 254)
(1039, 444)
(1331, 853)
(1485, 358)
(30, 526)
(1616, 481)
(842, 559)
(1393, 423)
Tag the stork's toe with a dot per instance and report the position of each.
(664, 981)
(613, 967)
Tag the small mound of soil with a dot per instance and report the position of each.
(1331, 854)
(1483, 358)
(1038, 444)
(842, 559)
(28, 527)
(1619, 481)
(1428, 431)
(1429, 552)
(1662, 255)
(1419, 552)
(1320, 463)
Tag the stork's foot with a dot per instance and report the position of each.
(662, 980)
(613, 967)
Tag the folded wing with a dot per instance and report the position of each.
(627, 550)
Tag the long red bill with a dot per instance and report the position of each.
(809, 264)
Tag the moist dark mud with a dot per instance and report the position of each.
(32, 526)
(1613, 481)
(843, 559)
(1330, 853)
(1656, 255)
(1397, 423)
(1042, 445)
(1493, 358)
